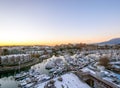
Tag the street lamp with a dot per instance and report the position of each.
(19, 66)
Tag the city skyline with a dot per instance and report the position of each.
(53, 22)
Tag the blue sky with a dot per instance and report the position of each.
(58, 21)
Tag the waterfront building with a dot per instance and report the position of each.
(15, 59)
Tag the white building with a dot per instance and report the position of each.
(35, 52)
(15, 59)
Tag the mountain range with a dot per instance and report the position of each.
(114, 41)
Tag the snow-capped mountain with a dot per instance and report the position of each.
(114, 41)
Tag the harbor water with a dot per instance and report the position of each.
(7, 79)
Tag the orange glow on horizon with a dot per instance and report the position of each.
(53, 42)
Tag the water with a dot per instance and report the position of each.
(41, 67)
(7, 80)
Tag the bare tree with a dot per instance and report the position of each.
(104, 61)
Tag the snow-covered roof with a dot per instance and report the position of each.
(13, 55)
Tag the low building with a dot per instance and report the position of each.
(36, 52)
(15, 59)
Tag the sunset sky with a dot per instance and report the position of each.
(28, 22)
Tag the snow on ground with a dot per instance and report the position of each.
(70, 80)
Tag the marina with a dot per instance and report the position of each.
(8, 80)
(57, 66)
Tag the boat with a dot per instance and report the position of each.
(20, 76)
(52, 70)
(30, 85)
(29, 82)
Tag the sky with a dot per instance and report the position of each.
(50, 22)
